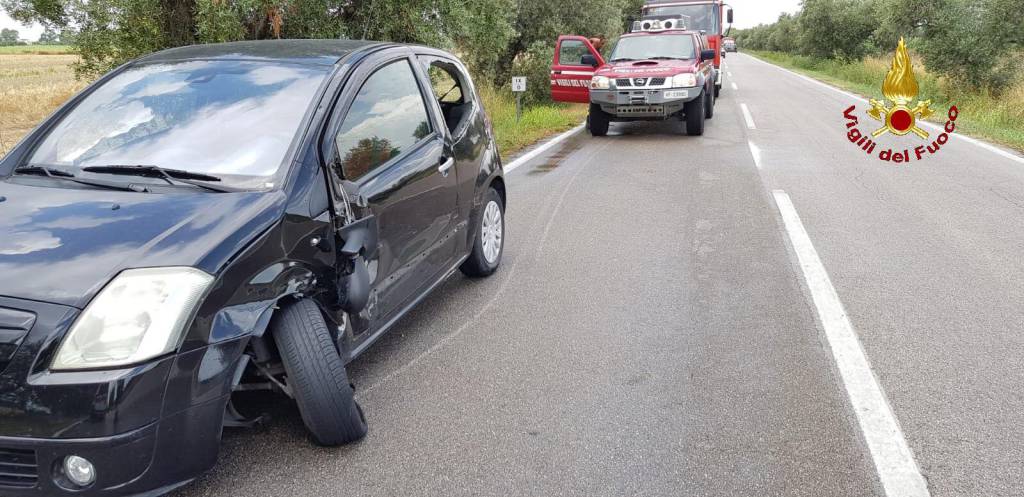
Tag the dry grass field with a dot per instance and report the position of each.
(31, 86)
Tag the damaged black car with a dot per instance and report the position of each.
(218, 218)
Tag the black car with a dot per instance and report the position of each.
(218, 218)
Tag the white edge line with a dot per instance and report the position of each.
(527, 157)
(893, 459)
(734, 87)
(747, 117)
(987, 146)
(755, 153)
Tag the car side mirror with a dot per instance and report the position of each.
(707, 54)
(589, 60)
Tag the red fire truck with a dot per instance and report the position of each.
(709, 16)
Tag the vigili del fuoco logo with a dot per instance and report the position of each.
(901, 118)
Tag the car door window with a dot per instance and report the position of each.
(387, 117)
(571, 52)
(451, 89)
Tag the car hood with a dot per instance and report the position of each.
(62, 245)
(647, 68)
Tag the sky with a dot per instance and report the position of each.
(30, 33)
(747, 13)
(750, 13)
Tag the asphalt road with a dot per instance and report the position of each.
(653, 331)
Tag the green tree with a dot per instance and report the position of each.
(8, 36)
(836, 28)
(49, 36)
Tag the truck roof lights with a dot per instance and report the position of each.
(652, 24)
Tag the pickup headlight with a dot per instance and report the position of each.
(600, 83)
(139, 315)
(684, 80)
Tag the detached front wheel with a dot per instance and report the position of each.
(317, 376)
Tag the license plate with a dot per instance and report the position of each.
(640, 109)
(677, 94)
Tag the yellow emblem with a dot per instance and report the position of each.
(900, 87)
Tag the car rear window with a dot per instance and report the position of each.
(230, 118)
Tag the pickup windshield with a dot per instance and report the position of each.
(668, 46)
(702, 17)
(227, 118)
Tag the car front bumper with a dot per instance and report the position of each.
(148, 461)
(643, 104)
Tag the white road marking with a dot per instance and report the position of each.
(734, 87)
(756, 153)
(527, 157)
(730, 74)
(974, 141)
(893, 458)
(747, 117)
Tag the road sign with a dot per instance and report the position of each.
(518, 83)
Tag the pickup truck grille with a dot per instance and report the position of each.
(639, 82)
(18, 468)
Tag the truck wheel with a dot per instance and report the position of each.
(598, 121)
(718, 89)
(490, 238)
(695, 115)
(316, 375)
(709, 108)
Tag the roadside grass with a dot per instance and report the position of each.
(37, 50)
(997, 118)
(32, 86)
(537, 122)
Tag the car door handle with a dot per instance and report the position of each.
(446, 165)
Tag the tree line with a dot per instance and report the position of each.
(973, 43)
(496, 38)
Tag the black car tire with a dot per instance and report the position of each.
(477, 265)
(718, 89)
(599, 121)
(695, 115)
(709, 107)
(317, 376)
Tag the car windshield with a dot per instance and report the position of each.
(229, 118)
(701, 16)
(677, 46)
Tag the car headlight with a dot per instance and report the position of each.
(685, 79)
(600, 83)
(139, 315)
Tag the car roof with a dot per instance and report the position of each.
(661, 32)
(324, 52)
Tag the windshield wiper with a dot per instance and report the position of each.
(171, 176)
(665, 57)
(55, 173)
(624, 59)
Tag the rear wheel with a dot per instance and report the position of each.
(490, 238)
(695, 115)
(599, 121)
(718, 89)
(316, 375)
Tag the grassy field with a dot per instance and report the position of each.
(33, 85)
(998, 119)
(36, 50)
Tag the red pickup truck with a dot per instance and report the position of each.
(655, 73)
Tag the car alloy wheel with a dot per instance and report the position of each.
(491, 232)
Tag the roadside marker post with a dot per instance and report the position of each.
(518, 87)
